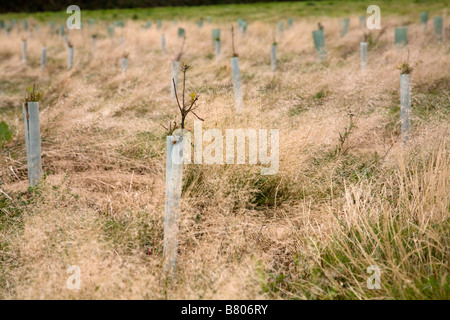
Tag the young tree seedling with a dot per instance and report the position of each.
(236, 76)
(176, 67)
(187, 106)
(174, 175)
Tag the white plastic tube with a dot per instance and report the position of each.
(405, 103)
(174, 179)
(70, 58)
(236, 75)
(273, 57)
(363, 46)
(175, 69)
(32, 141)
(43, 57)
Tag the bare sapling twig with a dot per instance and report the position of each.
(187, 106)
(32, 95)
(180, 54)
(343, 137)
(367, 36)
(406, 67)
(382, 31)
(171, 126)
(232, 42)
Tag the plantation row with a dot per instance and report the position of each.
(187, 103)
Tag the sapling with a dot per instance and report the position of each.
(217, 41)
(111, 31)
(273, 55)
(344, 137)
(240, 21)
(362, 20)
(124, 63)
(319, 42)
(244, 27)
(405, 98)
(119, 24)
(371, 41)
(236, 76)
(30, 108)
(215, 34)
(290, 22)
(344, 25)
(401, 36)
(174, 175)
(43, 57)
(438, 28)
(424, 20)
(280, 26)
(176, 67)
(94, 42)
(24, 50)
(186, 106)
(181, 33)
(70, 55)
(363, 47)
(163, 43)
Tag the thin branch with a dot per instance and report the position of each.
(197, 116)
(178, 57)
(163, 126)
(193, 102)
(184, 83)
(190, 106)
(176, 94)
(232, 41)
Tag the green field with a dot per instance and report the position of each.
(252, 12)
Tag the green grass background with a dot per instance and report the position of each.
(257, 11)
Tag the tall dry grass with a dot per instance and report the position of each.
(308, 232)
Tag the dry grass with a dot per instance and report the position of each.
(308, 232)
